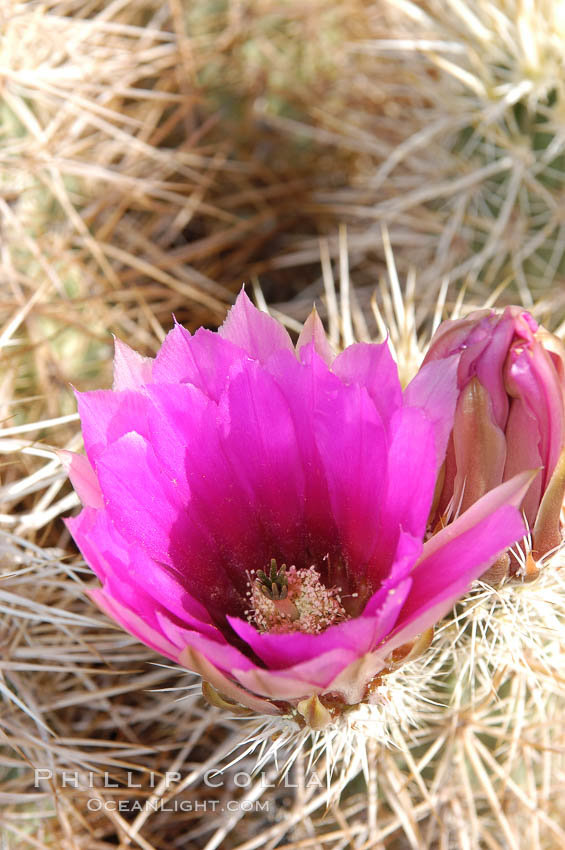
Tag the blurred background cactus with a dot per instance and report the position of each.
(153, 157)
(458, 110)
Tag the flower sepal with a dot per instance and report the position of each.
(411, 650)
(547, 533)
(215, 698)
(315, 713)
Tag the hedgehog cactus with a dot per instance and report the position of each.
(474, 167)
(490, 660)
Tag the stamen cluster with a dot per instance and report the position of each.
(315, 607)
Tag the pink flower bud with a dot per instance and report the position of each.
(509, 417)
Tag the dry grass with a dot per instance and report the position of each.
(153, 156)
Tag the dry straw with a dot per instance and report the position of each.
(154, 156)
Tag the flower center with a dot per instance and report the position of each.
(293, 600)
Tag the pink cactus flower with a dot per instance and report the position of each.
(510, 416)
(257, 511)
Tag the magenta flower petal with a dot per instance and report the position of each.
(131, 622)
(132, 578)
(313, 333)
(410, 480)
(83, 478)
(458, 554)
(302, 385)
(284, 651)
(408, 552)
(131, 370)
(255, 332)
(446, 573)
(303, 680)
(510, 493)
(489, 367)
(140, 496)
(177, 419)
(81, 527)
(269, 471)
(371, 366)
(204, 360)
(354, 458)
(481, 341)
(434, 390)
(106, 416)
(186, 427)
(443, 576)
